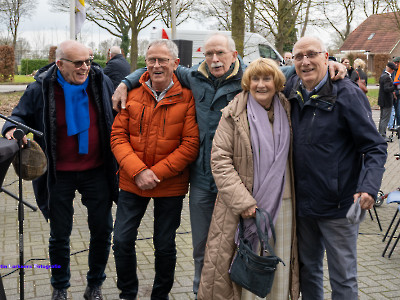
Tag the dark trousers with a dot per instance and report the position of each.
(167, 217)
(94, 188)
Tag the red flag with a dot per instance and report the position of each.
(198, 49)
(396, 80)
(164, 35)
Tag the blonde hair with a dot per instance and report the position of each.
(263, 66)
(359, 63)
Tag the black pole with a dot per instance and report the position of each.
(19, 134)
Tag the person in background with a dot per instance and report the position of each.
(214, 83)
(288, 59)
(346, 62)
(385, 98)
(93, 63)
(255, 127)
(70, 102)
(358, 73)
(154, 140)
(117, 67)
(338, 157)
(395, 114)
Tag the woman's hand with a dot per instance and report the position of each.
(249, 213)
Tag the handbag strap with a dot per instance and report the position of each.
(263, 236)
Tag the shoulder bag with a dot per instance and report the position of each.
(361, 83)
(250, 270)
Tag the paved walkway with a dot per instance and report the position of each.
(379, 277)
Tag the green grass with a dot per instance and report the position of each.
(373, 96)
(371, 81)
(20, 79)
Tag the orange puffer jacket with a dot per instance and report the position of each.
(161, 136)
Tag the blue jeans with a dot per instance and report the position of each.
(94, 188)
(167, 217)
(339, 238)
(201, 204)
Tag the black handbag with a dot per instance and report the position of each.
(250, 270)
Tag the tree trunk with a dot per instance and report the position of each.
(134, 48)
(238, 24)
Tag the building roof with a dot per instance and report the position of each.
(379, 33)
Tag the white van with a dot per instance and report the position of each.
(255, 45)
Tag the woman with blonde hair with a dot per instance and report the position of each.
(358, 75)
(252, 167)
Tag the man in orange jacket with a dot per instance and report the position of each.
(154, 140)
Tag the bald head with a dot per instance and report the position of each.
(72, 59)
(115, 50)
(310, 61)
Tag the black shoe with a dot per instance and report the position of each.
(59, 294)
(93, 293)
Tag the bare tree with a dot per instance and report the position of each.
(182, 11)
(218, 10)
(280, 18)
(12, 12)
(121, 18)
(339, 10)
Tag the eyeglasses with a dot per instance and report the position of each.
(79, 63)
(210, 54)
(161, 61)
(309, 55)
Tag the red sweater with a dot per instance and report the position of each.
(68, 158)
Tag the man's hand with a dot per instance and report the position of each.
(119, 97)
(366, 201)
(333, 67)
(249, 213)
(146, 180)
(9, 135)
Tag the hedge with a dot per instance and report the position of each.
(30, 65)
(6, 63)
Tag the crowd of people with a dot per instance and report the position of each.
(296, 140)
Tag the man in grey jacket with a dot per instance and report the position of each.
(214, 83)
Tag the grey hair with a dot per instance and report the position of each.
(172, 47)
(229, 39)
(59, 52)
(115, 50)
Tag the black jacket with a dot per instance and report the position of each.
(337, 150)
(117, 68)
(386, 88)
(37, 110)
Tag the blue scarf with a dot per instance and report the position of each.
(76, 111)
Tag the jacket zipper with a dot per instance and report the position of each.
(311, 125)
(141, 122)
(165, 116)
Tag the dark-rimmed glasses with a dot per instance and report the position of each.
(309, 55)
(79, 63)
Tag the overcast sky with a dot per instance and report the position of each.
(46, 27)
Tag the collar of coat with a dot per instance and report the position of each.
(324, 98)
(202, 69)
(174, 90)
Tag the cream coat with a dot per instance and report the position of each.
(232, 166)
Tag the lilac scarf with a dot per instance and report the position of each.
(270, 155)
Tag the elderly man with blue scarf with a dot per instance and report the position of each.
(71, 104)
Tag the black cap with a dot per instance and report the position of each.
(391, 65)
